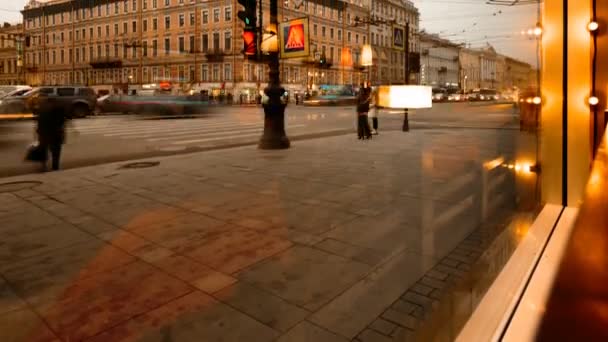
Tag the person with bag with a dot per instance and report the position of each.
(363, 104)
(51, 120)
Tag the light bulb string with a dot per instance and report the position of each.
(593, 76)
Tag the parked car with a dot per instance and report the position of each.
(457, 97)
(14, 101)
(78, 101)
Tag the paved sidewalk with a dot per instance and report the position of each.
(320, 242)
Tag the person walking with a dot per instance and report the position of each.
(363, 104)
(50, 128)
(374, 112)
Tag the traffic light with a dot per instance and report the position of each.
(248, 16)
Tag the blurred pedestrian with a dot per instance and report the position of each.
(51, 119)
(363, 104)
(373, 113)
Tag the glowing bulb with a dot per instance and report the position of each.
(530, 32)
(537, 31)
(536, 100)
(594, 100)
(593, 26)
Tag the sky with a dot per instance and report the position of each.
(464, 21)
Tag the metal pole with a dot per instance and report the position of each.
(274, 136)
(406, 122)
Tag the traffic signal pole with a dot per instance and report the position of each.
(274, 136)
(406, 122)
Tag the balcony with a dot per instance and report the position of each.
(215, 55)
(106, 63)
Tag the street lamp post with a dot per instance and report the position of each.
(406, 121)
(274, 136)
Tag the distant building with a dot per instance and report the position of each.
(479, 68)
(517, 74)
(439, 61)
(10, 68)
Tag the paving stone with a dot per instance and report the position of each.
(193, 317)
(213, 281)
(376, 292)
(383, 326)
(41, 278)
(417, 299)
(432, 282)
(9, 301)
(17, 246)
(433, 273)
(404, 307)
(235, 249)
(369, 335)
(421, 289)
(450, 262)
(264, 307)
(307, 332)
(288, 275)
(89, 306)
(24, 325)
(400, 318)
(361, 254)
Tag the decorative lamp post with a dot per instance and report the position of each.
(274, 136)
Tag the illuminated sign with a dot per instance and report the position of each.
(294, 38)
(398, 38)
(249, 43)
(405, 96)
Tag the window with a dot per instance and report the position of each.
(134, 24)
(115, 50)
(182, 20)
(65, 91)
(323, 31)
(125, 52)
(107, 30)
(364, 39)
(91, 53)
(228, 13)
(126, 6)
(205, 43)
(191, 44)
(154, 48)
(314, 29)
(167, 46)
(125, 27)
(205, 17)
(191, 72)
(192, 23)
(182, 47)
(62, 37)
(204, 73)
(98, 11)
(357, 38)
(145, 4)
(154, 3)
(115, 29)
(98, 51)
(115, 8)
(53, 17)
(216, 15)
(167, 22)
(154, 24)
(134, 51)
(107, 48)
(90, 33)
(216, 72)
(331, 33)
(69, 55)
(61, 57)
(144, 48)
(216, 41)
(348, 37)
(145, 25)
(227, 72)
(227, 41)
(167, 3)
(84, 34)
(331, 53)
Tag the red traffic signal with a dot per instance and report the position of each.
(249, 42)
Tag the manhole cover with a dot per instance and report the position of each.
(139, 165)
(16, 186)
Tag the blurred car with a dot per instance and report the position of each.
(154, 104)
(457, 97)
(14, 101)
(439, 95)
(76, 101)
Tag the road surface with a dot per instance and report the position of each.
(111, 138)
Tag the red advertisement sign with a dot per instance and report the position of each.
(294, 38)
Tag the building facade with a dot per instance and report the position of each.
(389, 63)
(479, 68)
(191, 43)
(517, 74)
(11, 36)
(439, 61)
